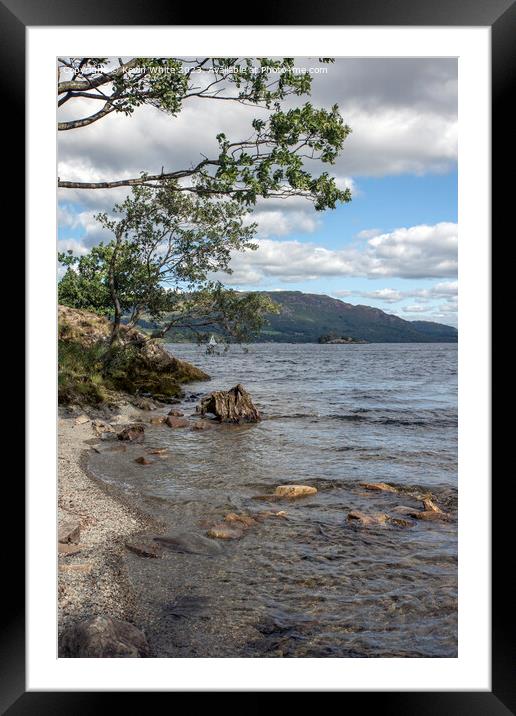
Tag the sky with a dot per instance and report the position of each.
(394, 246)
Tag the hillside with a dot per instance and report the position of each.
(305, 317)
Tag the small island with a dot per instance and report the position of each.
(334, 339)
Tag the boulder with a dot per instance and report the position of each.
(104, 637)
(291, 491)
(173, 422)
(69, 531)
(132, 433)
(380, 486)
(225, 531)
(367, 520)
(143, 461)
(231, 406)
(176, 413)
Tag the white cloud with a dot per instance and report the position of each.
(282, 223)
(414, 252)
(368, 233)
(389, 295)
(415, 308)
(446, 290)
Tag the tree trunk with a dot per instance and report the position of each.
(115, 333)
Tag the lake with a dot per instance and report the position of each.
(311, 584)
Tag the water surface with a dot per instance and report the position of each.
(310, 585)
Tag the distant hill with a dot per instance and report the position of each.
(305, 317)
(312, 318)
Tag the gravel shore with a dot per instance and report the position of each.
(92, 578)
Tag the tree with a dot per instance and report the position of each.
(269, 162)
(165, 246)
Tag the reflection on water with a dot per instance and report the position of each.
(310, 585)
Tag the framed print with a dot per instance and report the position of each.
(259, 353)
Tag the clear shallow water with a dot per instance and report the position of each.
(310, 585)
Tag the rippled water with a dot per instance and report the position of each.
(312, 584)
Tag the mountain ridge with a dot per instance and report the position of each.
(305, 317)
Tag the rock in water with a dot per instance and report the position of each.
(244, 521)
(294, 490)
(358, 517)
(202, 425)
(132, 433)
(143, 461)
(380, 486)
(225, 531)
(430, 505)
(143, 548)
(104, 637)
(173, 422)
(189, 543)
(231, 406)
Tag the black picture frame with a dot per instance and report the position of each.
(500, 15)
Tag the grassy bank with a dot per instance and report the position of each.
(137, 366)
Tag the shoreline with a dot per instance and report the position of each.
(93, 580)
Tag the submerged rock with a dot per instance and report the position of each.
(104, 637)
(431, 515)
(202, 425)
(231, 406)
(189, 543)
(367, 520)
(260, 516)
(244, 520)
(158, 451)
(132, 433)
(223, 530)
(143, 461)
(294, 491)
(380, 486)
(157, 421)
(404, 510)
(400, 522)
(144, 549)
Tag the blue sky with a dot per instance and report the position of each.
(394, 246)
